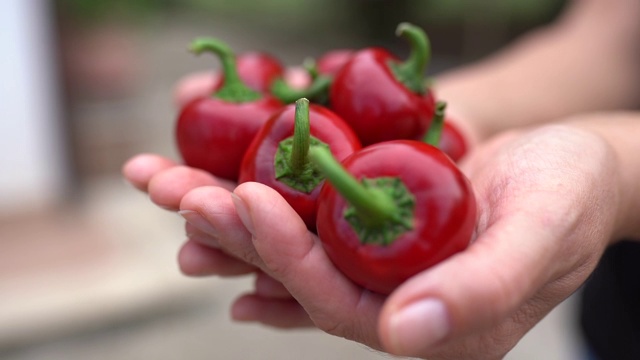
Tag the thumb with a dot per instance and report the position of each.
(471, 292)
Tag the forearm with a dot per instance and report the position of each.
(620, 130)
(587, 61)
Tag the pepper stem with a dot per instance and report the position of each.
(433, 135)
(291, 162)
(373, 206)
(311, 66)
(317, 90)
(301, 135)
(233, 88)
(411, 72)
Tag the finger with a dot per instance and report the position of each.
(268, 287)
(167, 187)
(141, 168)
(295, 257)
(472, 291)
(194, 86)
(281, 313)
(211, 210)
(196, 259)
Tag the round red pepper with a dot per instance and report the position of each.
(332, 61)
(444, 135)
(277, 156)
(257, 70)
(213, 132)
(321, 76)
(392, 210)
(452, 142)
(383, 98)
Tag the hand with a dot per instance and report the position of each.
(547, 209)
(220, 244)
(548, 204)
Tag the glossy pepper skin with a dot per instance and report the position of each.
(257, 70)
(259, 163)
(213, 132)
(320, 76)
(452, 142)
(381, 97)
(440, 223)
(444, 135)
(332, 61)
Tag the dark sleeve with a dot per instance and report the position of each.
(610, 304)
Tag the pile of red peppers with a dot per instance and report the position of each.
(363, 153)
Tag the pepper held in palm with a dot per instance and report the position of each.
(383, 98)
(392, 210)
(214, 132)
(444, 135)
(278, 155)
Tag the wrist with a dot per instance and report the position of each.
(618, 130)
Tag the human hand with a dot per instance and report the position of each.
(546, 215)
(252, 230)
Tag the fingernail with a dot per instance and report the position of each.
(195, 219)
(199, 236)
(243, 212)
(418, 326)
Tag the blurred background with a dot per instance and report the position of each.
(87, 263)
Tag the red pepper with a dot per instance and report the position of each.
(445, 135)
(321, 74)
(392, 210)
(214, 132)
(452, 142)
(332, 61)
(383, 98)
(277, 156)
(257, 70)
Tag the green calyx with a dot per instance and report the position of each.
(380, 209)
(433, 135)
(233, 89)
(411, 72)
(292, 165)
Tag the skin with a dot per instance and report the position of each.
(555, 186)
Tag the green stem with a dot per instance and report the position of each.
(373, 206)
(233, 88)
(310, 65)
(301, 135)
(411, 72)
(433, 135)
(287, 94)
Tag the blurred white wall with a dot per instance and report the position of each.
(32, 164)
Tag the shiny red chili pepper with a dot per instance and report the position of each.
(381, 97)
(277, 156)
(444, 135)
(451, 141)
(257, 70)
(213, 132)
(392, 210)
(332, 61)
(320, 76)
